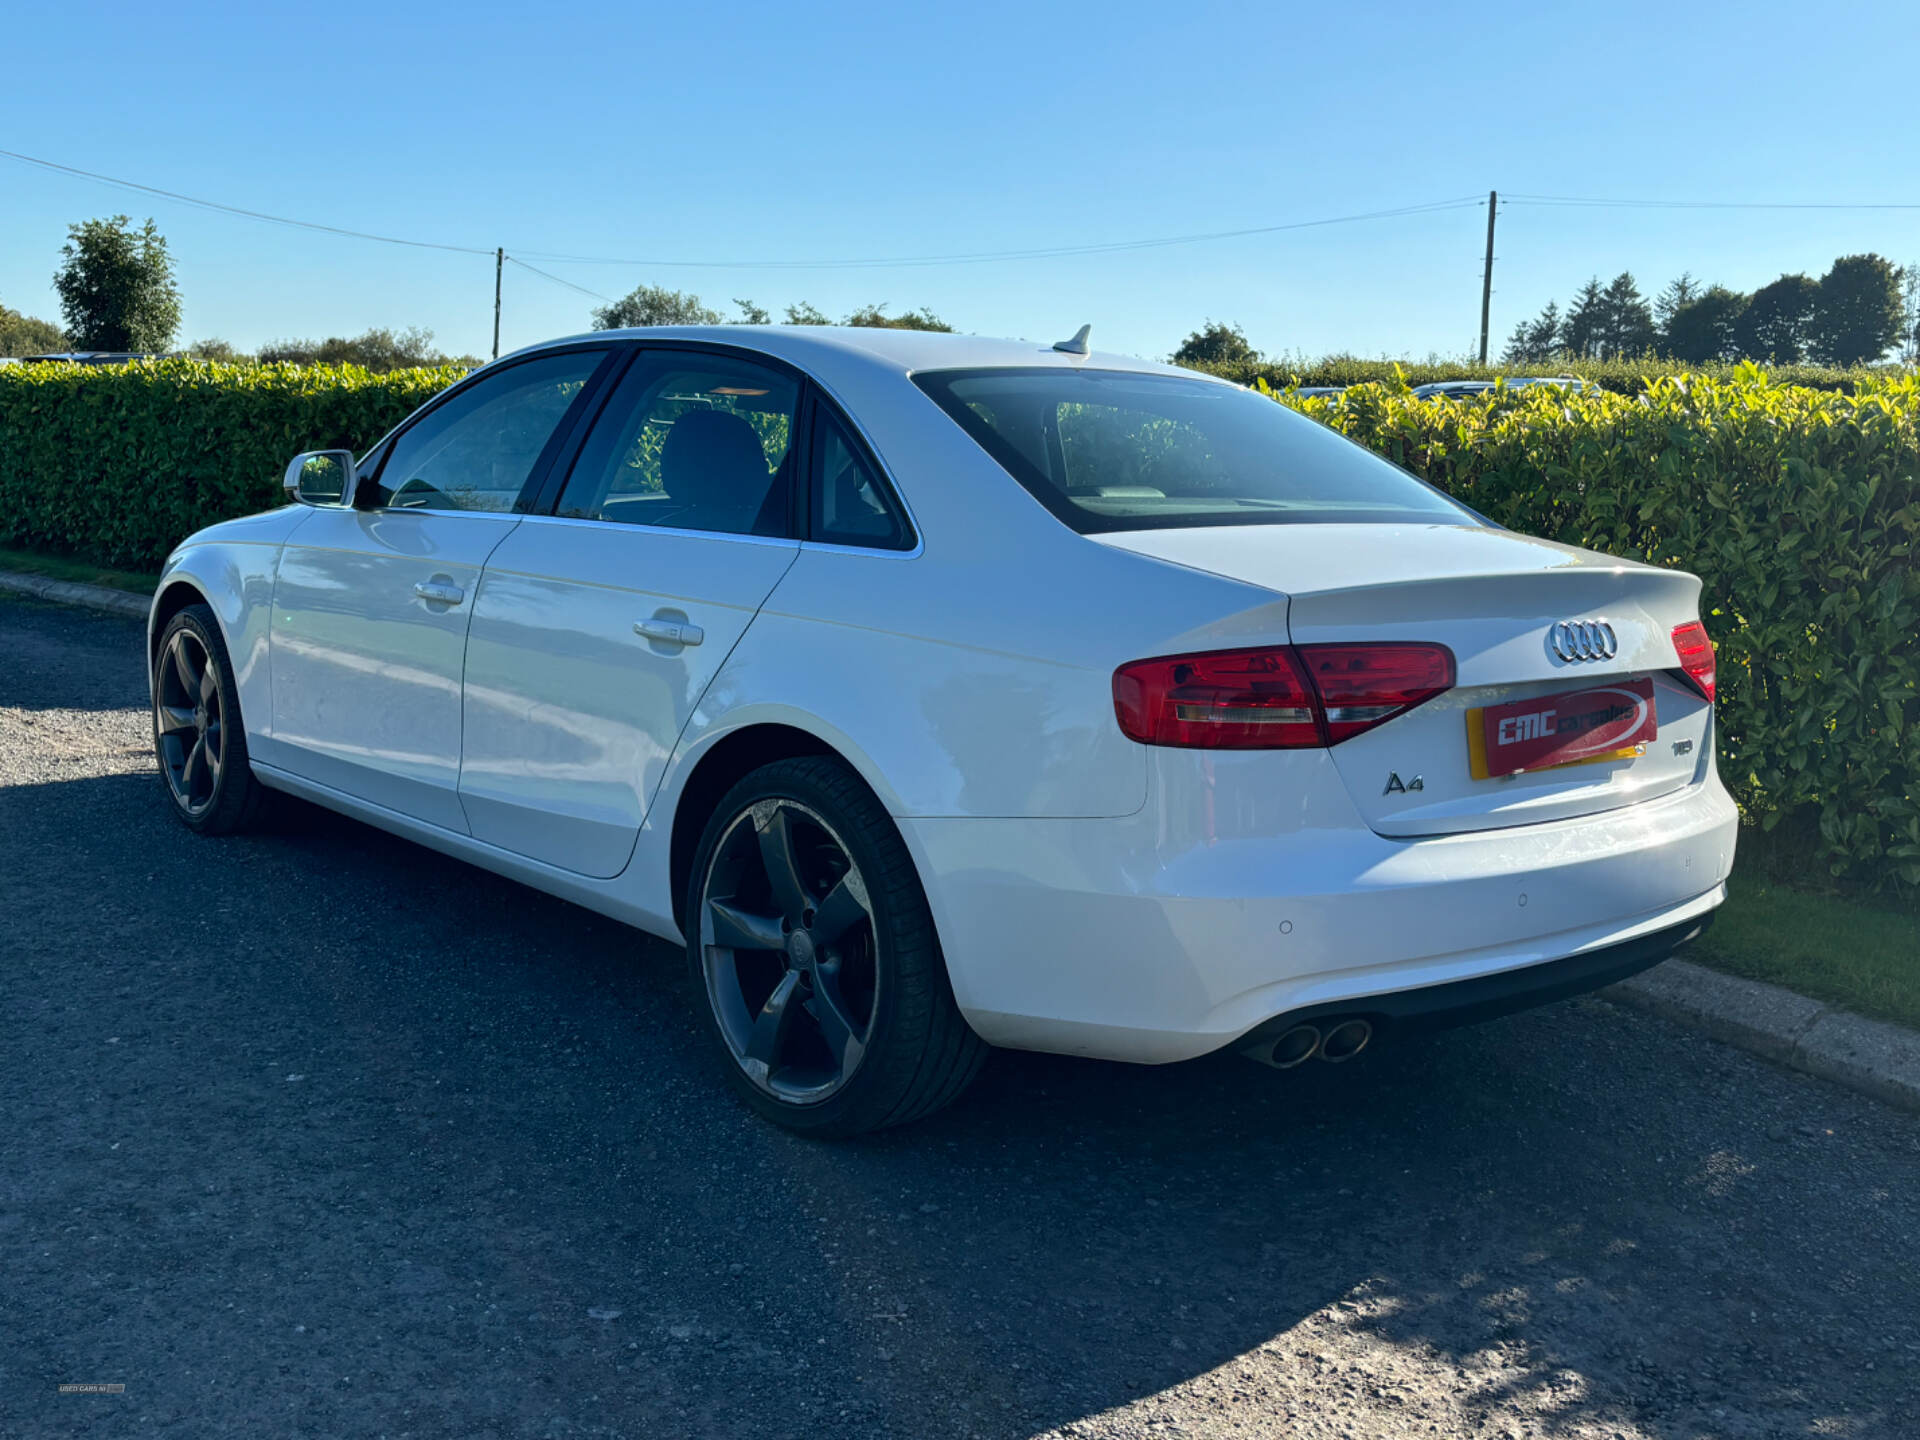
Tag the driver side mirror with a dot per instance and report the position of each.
(322, 477)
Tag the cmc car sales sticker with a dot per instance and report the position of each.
(1607, 722)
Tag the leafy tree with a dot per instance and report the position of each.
(651, 305)
(1679, 293)
(1216, 343)
(1778, 323)
(24, 335)
(1628, 319)
(1910, 313)
(1858, 317)
(1535, 339)
(116, 286)
(875, 317)
(1706, 327)
(379, 350)
(1607, 323)
(654, 305)
(1586, 323)
(214, 348)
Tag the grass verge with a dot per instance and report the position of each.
(1841, 951)
(62, 567)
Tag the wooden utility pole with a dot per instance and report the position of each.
(500, 260)
(1486, 276)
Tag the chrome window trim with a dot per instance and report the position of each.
(784, 541)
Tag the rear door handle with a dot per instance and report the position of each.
(669, 632)
(440, 592)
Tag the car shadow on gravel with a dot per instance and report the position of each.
(413, 1147)
(60, 657)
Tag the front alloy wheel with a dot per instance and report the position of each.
(810, 939)
(198, 739)
(187, 719)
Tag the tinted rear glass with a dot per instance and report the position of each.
(1115, 450)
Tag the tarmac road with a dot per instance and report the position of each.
(316, 1132)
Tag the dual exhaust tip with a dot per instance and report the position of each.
(1339, 1041)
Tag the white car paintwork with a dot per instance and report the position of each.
(1092, 895)
(1488, 595)
(571, 716)
(1249, 887)
(367, 671)
(231, 567)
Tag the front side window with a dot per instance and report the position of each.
(690, 442)
(477, 450)
(1113, 450)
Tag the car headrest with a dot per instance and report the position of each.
(713, 458)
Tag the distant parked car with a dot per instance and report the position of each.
(1465, 389)
(1308, 392)
(1451, 389)
(1565, 382)
(938, 692)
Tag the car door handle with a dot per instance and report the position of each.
(669, 632)
(440, 592)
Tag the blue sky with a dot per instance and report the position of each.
(754, 132)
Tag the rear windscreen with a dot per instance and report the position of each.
(1117, 450)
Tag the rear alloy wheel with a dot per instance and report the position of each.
(810, 938)
(197, 736)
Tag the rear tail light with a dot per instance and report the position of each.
(1695, 650)
(1225, 700)
(1362, 686)
(1284, 697)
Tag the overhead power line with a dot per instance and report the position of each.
(979, 257)
(1594, 202)
(874, 262)
(987, 256)
(592, 294)
(237, 210)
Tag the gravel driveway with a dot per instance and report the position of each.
(315, 1132)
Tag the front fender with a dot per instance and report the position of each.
(230, 568)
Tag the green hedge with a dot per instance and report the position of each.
(1800, 511)
(1798, 507)
(118, 463)
(1629, 377)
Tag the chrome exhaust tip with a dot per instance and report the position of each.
(1295, 1047)
(1345, 1040)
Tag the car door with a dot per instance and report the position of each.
(372, 603)
(598, 628)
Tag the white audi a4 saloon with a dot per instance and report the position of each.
(941, 693)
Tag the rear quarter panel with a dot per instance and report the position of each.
(978, 684)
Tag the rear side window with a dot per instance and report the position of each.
(691, 442)
(477, 449)
(1114, 450)
(851, 505)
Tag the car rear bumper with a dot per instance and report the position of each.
(1487, 997)
(1136, 939)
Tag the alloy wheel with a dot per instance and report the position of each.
(789, 951)
(190, 721)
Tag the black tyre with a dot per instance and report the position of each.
(811, 943)
(198, 737)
